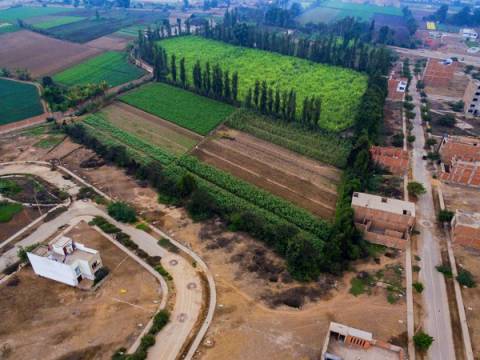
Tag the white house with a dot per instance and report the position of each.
(65, 261)
(469, 34)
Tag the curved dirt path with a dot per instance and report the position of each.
(187, 281)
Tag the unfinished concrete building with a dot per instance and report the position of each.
(346, 343)
(382, 220)
(393, 159)
(460, 157)
(466, 229)
(471, 98)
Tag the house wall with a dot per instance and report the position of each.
(53, 269)
(466, 236)
(383, 219)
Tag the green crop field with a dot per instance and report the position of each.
(8, 211)
(191, 111)
(23, 13)
(332, 10)
(18, 101)
(111, 67)
(58, 21)
(339, 88)
(6, 27)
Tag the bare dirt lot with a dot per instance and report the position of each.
(305, 182)
(252, 319)
(55, 321)
(445, 80)
(40, 54)
(469, 258)
(19, 221)
(109, 42)
(461, 197)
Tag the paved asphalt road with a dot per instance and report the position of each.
(437, 315)
(466, 59)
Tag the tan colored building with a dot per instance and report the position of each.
(346, 343)
(382, 220)
(466, 229)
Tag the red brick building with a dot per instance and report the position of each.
(392, 158)
(460, 157)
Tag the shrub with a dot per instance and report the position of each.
(465, 278)
(358, 286)
(422, 341)
(161, 270)
(416, 268)
(416, 188)
(447, 120)
(457, 106)
(431, 142)
(147, 341)
(411, 138)
(121, 211)
(445, 270)
(22, 252)
(159, 321)
(144, 227)
(397, 140)
(445, 216)
(418, 286)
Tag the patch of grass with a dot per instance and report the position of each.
(358, 286)
(9, 187)
(8, 211)
(23, 13)
(144, 227)
(49, 142)
(340, 89)
(7, 27)
(112, 67)
(58, 21)
(18, 101)
(191, 111)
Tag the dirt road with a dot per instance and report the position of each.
(466, 59)
(437, 314)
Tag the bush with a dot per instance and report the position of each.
(121, 211)
(431, 142)
(147, 341)
(22, 252)
(418, 286)
(144, 227)
(161, 270)
(422, 341)
(457, 106)
(445, 216)
(465, 278)
(411, 138)
(447, 120)
(159, 321)
(416, 188)
(445, 270)
(397, 140)
(101, 274)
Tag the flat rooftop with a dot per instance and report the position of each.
(390, 205)
(467, 218)
(77, 254)
(347, 352)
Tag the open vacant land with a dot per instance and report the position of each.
(88, 325)
(112, 67)
(164, 134)
(307, 183)
(40, 54)
(18, 101)
(331, 11)
(191, 111)
(339, 88)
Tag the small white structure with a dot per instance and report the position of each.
(469, 34)
(402, 86)
(65, 261)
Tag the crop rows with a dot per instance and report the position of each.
(328, 148)
(18, 101)
(97, 121)
(303, 219)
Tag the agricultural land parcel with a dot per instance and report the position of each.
(23, 13)
(331, 11)
(53, 21)
(109, 22)
(41, 55)
(169, 137)
(112, 67)
(339, 88)
(18, 101)
(191, 111)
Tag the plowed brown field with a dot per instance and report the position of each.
(305, 182)
(39, 54)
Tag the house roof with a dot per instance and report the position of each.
(461, 148)
(347, 330)
(376, 202)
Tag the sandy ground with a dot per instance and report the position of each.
(469, 259)
(87, 325)
(305, 182)
(251, 280)
(461, 197)
(40, 54)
